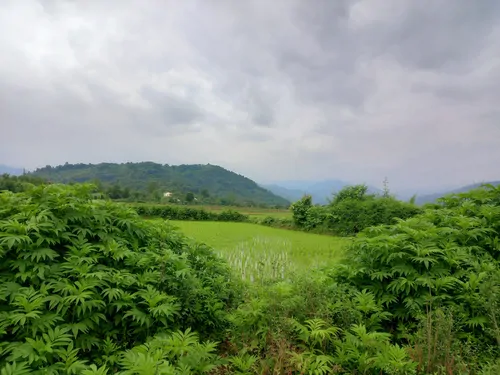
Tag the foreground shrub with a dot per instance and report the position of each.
(445, 258)
(83, 280)
(313, 325)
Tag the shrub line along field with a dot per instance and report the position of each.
(251, 212)
(257, 212)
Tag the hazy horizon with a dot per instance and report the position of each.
(284, 90)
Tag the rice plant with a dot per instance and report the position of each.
(262, 254)
(261, 259)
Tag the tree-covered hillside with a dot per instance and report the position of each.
(210, 182)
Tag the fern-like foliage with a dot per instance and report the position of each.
(85, 282)
(442, 257)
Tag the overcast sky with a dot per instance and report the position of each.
(281, 89)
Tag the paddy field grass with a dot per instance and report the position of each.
(260, 253)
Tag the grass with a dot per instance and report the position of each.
(262, 253)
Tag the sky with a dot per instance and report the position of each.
(275, 90)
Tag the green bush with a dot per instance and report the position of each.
(88, 287)
(421, 296)
(317, 217)
(312, 325)
(171, 212)
(447, 257)
(84, 280)
(17, 184)
(276, 222)
(351, 193)
(299, 210)
(231, 215)
(350, 211)
(349, 217)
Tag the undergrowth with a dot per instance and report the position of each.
(88, 287)
(85, 281)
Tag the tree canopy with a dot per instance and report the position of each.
(211, 182)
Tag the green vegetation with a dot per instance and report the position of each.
(207, 184)
(443, 267)
(251, 212)
(86, 281)
(17, 184)
(89, 287)
(259, 253)
(172, 212)
(350, 211)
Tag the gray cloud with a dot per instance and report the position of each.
(172, 110)
(290, 89)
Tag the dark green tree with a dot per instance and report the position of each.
(299, 210)
(354, 192)
(153, 186)
(189, 197)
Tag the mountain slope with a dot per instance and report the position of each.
(290, 194)
(148, 176)
(10, 170)
(320, 191)
(430, 198)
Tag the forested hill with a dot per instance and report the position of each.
(212, 182)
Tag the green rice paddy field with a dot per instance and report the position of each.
(262, 253)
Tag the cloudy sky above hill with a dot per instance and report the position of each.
(282, 89)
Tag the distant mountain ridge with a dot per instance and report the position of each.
(10, 170)
(291, 195)
(196, 178)
(430, 198)
(320, 191)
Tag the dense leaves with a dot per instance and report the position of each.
(147, 180)
(350, 211)
(300, 209)
(19, 183)
(84, 280)
(88, 287)
(446, 257)
(419, 296)
(172, 212)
